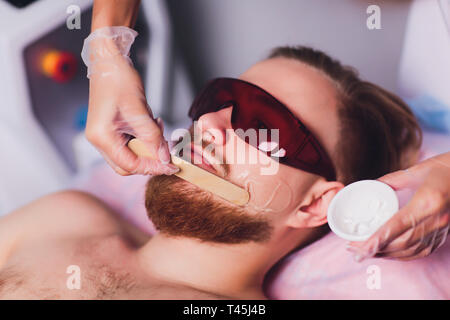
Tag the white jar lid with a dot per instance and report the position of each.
(361, 208)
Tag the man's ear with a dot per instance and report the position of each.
(313, 210)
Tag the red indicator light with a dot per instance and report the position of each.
(60, 66)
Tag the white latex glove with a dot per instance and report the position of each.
(421, 226)
(118, 107)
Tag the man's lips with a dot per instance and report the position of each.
(202, 159)
(203, 164)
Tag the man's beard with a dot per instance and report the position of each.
(180, 209)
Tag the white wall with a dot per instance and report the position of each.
(224, 37)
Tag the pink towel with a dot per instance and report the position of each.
(325, 270)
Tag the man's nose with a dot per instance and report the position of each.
(213, 125)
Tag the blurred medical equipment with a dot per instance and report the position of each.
(44, 91)
(445, 10)
(432, 113)
(425, 64)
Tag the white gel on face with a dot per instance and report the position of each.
(243, 175)
(361, 208)
(268, 200)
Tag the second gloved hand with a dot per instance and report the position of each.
(118, 107)
(422, 225)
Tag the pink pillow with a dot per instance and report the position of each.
(325, 270)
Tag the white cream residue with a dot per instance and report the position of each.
(268, 202)
(243, 175)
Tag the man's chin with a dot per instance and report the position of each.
(178, 208)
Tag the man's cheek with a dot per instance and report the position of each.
(268, 166)
(267, 193)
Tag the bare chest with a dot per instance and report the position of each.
(72, 269)
(85, 269)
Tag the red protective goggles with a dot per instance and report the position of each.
(255, 108)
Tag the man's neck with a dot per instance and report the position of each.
(234, 271)
(229, 270)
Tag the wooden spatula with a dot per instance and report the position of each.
(199, 177)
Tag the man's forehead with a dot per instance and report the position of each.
(306, 91)
(292, 82)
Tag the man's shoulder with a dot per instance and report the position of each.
(65, 214)
(73, 212)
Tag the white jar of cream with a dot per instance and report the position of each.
(361, 208)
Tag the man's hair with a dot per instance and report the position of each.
(177, 208)
(378, 132)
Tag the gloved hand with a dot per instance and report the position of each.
(422, 225)
(118, 107)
